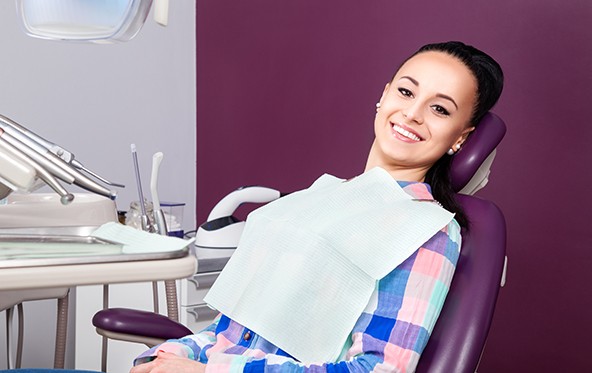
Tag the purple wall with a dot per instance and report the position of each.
(286, 91)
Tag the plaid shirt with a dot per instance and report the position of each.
(389, 335)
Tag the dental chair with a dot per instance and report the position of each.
(459, 337)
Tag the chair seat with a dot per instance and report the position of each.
(136, 322)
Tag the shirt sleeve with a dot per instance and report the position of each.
(189, 347)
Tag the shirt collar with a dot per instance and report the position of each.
(416, 189)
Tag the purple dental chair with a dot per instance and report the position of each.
(459, 337)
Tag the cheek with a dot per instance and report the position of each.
(447, 136)
(379, 121)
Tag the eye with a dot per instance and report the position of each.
(440, 110)
(405, 92)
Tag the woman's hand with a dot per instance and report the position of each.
(166, 362)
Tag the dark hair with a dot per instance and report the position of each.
(490, 83)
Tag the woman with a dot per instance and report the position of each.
(425, 114)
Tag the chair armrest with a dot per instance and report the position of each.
(139, 323)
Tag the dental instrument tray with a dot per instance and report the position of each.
(20, 250)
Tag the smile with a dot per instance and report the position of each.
(403, 132)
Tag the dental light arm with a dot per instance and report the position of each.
(50, 161)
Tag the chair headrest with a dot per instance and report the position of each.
(469, 169)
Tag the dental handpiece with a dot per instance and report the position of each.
(37, 156)
(57, 166)
(32, 139)
(65, 196)
(46, 148)
(80, 166)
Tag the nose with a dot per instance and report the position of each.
(413, 112)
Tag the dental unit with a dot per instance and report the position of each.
(27, 157)
(222, 230)
(73, 232)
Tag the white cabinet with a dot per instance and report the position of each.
(194, 313)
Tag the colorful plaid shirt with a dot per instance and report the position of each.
(389, 335)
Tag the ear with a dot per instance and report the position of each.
(384, 92)
(463, 136)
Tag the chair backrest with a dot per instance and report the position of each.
(460, 333)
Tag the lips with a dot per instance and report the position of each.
(406, 133)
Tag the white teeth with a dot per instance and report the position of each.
(406, 133)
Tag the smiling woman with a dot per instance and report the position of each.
(425, 114)
(424, 111)
(382, 318)
(428, 110)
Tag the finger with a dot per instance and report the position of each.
(145, 367)
(160, 354)
(142, 368)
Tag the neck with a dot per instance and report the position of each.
(398, 172)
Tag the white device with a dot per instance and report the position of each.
(222, 230)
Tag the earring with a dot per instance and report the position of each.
(452, 151)
(377, 106)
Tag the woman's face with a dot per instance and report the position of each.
(425, 110)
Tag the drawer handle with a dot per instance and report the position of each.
(204, 281)
(202, 312)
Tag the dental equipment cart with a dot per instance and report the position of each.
(65, 270)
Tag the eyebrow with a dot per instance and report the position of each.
(441, 95)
